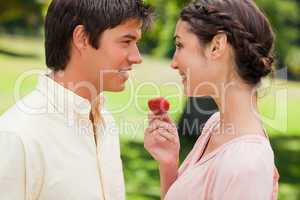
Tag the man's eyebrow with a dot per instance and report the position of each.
(129, 36)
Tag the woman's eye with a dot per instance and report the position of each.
(127, 42)
(178, 45)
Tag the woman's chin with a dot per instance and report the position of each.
(193, 93)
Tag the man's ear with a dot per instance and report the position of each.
(80, 38)
(218, 45)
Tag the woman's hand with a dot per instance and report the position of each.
(161, 139)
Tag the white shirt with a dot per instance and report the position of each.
(48, 149)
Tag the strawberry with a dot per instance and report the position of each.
(159, 105)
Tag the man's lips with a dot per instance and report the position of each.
(124, 73)
(125, 69)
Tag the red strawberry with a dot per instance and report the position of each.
(159, 105)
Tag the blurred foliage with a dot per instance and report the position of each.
(160, 37)
(284, 16)
(21, 16)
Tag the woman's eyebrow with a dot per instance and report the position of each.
(176, 37)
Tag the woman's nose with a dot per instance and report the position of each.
(174, 64)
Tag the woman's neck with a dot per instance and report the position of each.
(238, 111)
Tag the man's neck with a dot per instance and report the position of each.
(72, 80)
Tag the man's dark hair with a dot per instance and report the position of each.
(95, 15)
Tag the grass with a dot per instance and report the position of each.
(278, 104)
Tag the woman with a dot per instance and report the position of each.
(223, 50)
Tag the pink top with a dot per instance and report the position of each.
(241, 169)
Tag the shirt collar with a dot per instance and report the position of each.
(64, 101)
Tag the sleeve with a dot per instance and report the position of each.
(12, 167)
(247, 185)
(248, 178)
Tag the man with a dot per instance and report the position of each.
(59, 142)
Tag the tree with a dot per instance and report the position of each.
(285, 17)
(20, 15)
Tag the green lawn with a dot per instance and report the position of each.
(278, 105)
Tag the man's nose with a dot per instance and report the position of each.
(135, 57)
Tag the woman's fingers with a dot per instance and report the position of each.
(163, 117)
(152, 117)
(160, 135)
(148, 131)
(160, 138)
(154, 135)
(166, 118)
(169, 136)
(156, 124)
(161, 129)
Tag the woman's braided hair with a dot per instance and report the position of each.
(248, 31)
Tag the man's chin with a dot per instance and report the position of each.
(121, 88)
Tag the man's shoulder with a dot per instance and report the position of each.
(25, 112)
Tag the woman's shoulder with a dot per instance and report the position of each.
(248, 154)
(246, 165)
